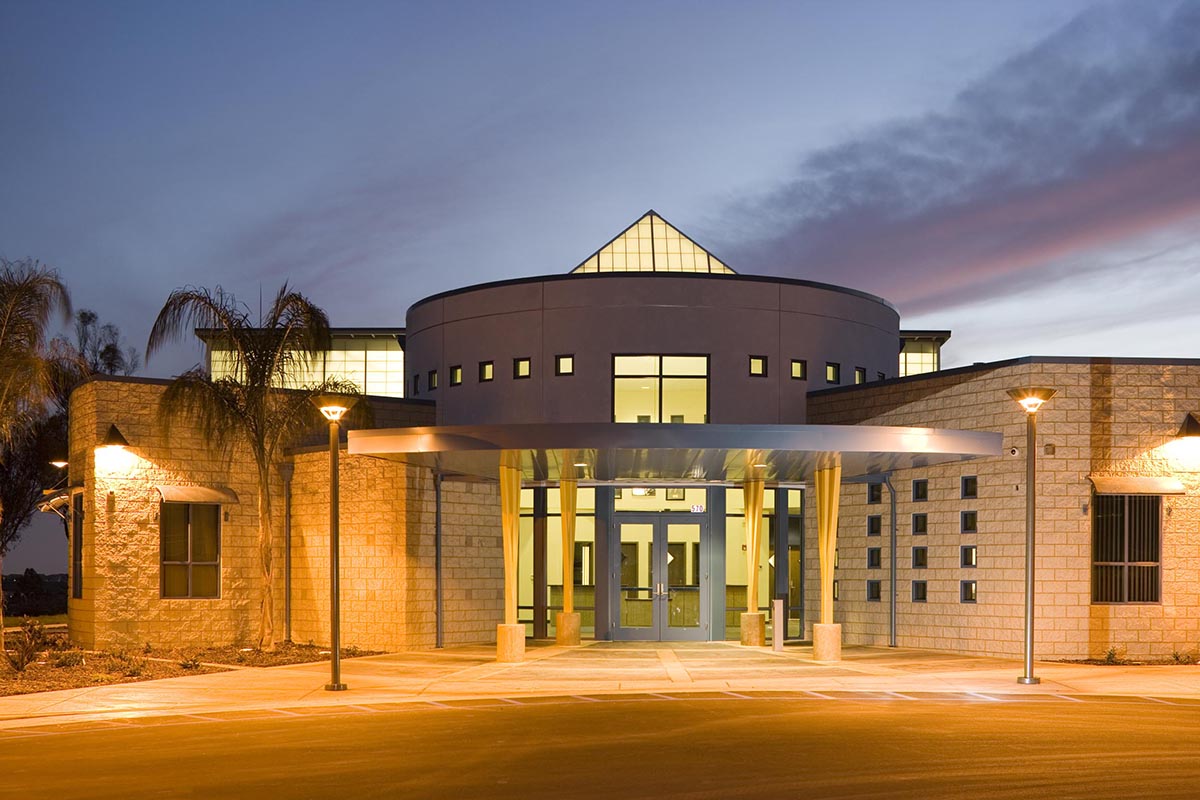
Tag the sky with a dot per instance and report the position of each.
(1025, 174)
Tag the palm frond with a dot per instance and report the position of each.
(193, 307)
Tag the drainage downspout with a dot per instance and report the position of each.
(887, 481)
(437, 558)
(286, 470)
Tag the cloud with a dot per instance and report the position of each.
(1090, 137)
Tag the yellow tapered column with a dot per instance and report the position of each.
(510, 635)
(827, 636)
(754, 630)
(566, 624)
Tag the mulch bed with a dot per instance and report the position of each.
(62, 666)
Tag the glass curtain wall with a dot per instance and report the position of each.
(374, 364)
(735, 559)
(657, 388)
(540, 560)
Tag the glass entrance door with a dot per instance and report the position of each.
(661, 577)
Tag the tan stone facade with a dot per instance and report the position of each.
(1111, 417)
(387, 538)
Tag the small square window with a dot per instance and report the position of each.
(487, 371)
(758, 366)
(970, 487)
(920, 490)
(920, 557)
(799, 369)
(836, 591)
(456, 375)
(920, 592)
(522, 368)
(970, 556)
(860, 375)
(967, 592)
(874, 558)
(416, 385)
(874, 591)
(970, 522)
(874, 493)
(433, 380)
(833, 373)
(920, 524)
(874, 525)
(564, 365)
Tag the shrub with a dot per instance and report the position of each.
(191, 662)
(1110, 657)
(69, 658)
(26, 645)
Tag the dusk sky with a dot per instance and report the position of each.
(1026, 174)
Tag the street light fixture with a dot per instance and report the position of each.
(1030, 399)
(333, 408)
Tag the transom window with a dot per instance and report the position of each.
(654, 388)
(1126, 548)
(190, 549)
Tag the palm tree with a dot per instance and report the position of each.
(30, 294)
(248, 406)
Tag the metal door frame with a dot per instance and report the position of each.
(660, 631)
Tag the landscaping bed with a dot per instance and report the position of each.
(38, 660)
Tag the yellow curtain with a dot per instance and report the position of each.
(510, 527)
(752, 491)
(567, 490)
(829, 485)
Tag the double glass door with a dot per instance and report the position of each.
(661, 576)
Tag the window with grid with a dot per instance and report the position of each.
(660, 388)
(1126, 548)
(190, 549)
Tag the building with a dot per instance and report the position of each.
(652, 446)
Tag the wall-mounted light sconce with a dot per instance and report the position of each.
(1190, 428)
(114, 439)
(110, 504)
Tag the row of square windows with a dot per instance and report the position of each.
(968, 591)
(968, 522)
(968, 488)
(968, 557)
(565, 365)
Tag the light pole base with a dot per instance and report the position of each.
(1028, 681)
(335, 687)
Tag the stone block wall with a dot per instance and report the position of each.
(387, 538)
(1111, 417)
(121, 605)
(388, 555)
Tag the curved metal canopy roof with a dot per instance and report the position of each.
(671, 453)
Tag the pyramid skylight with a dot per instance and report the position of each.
(653, 245)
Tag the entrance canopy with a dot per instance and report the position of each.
(671, 453)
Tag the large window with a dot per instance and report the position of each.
(1125, 548)
(660, 389)
(190, 549)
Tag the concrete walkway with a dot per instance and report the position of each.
(469, 676)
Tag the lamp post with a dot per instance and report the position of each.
(1030, 399)
(333, 408)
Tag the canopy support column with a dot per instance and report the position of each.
(754, 623)
(566, 623)
(510, 635)
(827, 636)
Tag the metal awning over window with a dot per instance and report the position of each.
(197, 494)
(1106, 484)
